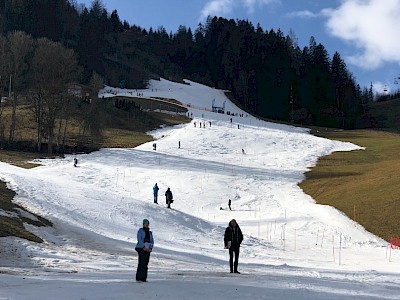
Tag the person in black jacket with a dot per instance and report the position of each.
(168, 197)
(233, 238)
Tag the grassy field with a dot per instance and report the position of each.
(135, 134)
(368, 180)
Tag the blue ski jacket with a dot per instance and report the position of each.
(155, 189)
(140, 237)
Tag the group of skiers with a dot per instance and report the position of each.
(169, 198)
(233, 238)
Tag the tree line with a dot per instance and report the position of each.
(270, 75)
(41, 74)
(267, 72)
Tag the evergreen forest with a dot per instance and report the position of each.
(266, 71)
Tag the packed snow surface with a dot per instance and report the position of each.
(292, 249)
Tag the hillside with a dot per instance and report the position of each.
(264, 68)
(386, 114)
(292, 249)
(121, 131)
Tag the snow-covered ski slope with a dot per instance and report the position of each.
(292, 249)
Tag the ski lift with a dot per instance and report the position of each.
(385, 89)
(396, 82)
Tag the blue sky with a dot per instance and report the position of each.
(365, 32)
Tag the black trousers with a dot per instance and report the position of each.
(144, 257)
(235, 248)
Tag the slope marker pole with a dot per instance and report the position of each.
(333, 247)
(340, 250)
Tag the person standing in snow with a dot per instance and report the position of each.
(168, 197)
(233, 238)
(155, 193)
(144, 247)
(75, 162)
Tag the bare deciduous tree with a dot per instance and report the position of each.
(93, 121)
(4, 76)
(54, 69)
(18, 57)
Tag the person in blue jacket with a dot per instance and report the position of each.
(144, 247)
(155, 192)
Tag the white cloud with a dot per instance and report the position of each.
(374, 27)
(226, 7)
(251, 5)
(306, 14)
(217, 8)
(380, 88)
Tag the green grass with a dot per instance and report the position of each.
(367, 179)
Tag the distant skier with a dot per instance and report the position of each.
(143, 247)
(243, 151)
(229, 204)
(154, 146)
(179, 144)
(168, 197)
(233, 238)
(155, 193)
(75, 161)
